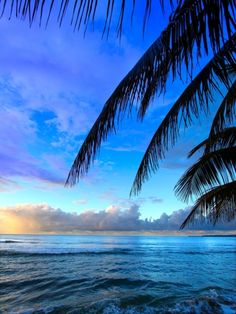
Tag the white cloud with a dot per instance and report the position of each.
(35, 218)
(7, 185)
(51, 94)
(80, 202)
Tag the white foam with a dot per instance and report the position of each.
(114, 309)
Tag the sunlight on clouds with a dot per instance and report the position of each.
(41, 218)
(13, 223)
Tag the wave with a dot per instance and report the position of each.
(211, 303)
(6, 241)
(11, 241)
(54, 285)
(64, 251)
(207, 252)
(48, 252)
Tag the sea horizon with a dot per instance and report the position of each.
(197, 233)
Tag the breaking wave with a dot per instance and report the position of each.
(211, 303)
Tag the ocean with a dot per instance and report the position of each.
(117, 274)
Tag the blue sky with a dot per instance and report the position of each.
(53, 85)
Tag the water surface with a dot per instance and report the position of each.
(104, 274)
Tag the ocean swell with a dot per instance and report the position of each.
(211, 303)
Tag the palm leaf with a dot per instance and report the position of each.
(196, 97)
(223, 139)
(226, 113)
(187, 28)
(217, 204)
(81, 12)
(214, 168)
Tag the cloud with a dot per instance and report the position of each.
(51, 94)
(80, 202)
(36, 218)
(125, 148)
(154, 199)
(60, 62)
(7, 185)
(17, 134)
(125, 202)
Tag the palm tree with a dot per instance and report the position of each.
(195, 27)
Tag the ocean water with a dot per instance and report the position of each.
(117, 275)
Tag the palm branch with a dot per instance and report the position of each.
(215, 168)
(212, 178)
(223, 139)
(80, 12)
(225, 114)
(195, 98)
(217, 204)
(189, 26)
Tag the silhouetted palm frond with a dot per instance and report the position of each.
(188, 27)
(195, 98)
(225, 138)
(215, 168)
(225, 114)
(217, 204)
(212, 179)
(80, 12)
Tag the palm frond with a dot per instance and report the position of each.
(198, 147)
(81, 12)
(217, 204)
(225, 114)
(193, 100)
(214, 168)
(187, 28)
(181, 44)
(225, 138)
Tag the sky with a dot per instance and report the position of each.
(53, 84)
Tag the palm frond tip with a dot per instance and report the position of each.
(225, 138)
(217, 204)
(214, 168)
(225, 114)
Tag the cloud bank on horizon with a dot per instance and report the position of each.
(41, 218)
